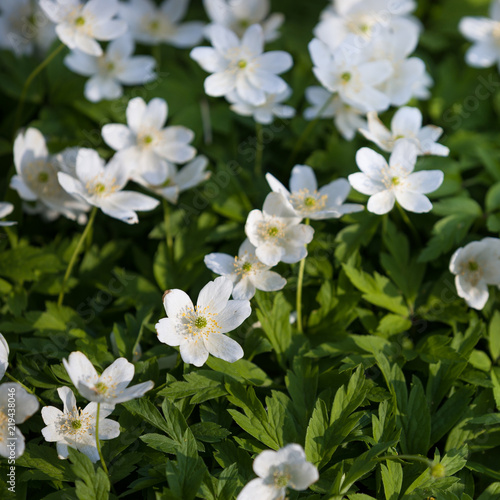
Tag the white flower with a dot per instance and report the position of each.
(145, 147)
(110, 387)
(348, 72)
(116, 67)
(152, 25)
(241, 65)
(348, 119)
(80, 25)
(309, 202)
(277, 233)
(4, 356)
(395, 182)
(26, 405)
(75, 428)
(6, 209)
(266, 112)
(245, 271)
(485, 35)
(24, 27)
(277, 471)
(476, 266)
(37, 180)
(178, 181)
(199, 330)
(406, 124)
(101, 186)
(238, 15)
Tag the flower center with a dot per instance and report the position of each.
(310, 201)
(273, 231)
(247, 266)
(473, 266)
(197, 322)
(148, 139)
(200, 322)
(110, 66)
(346, 77)
(80, 21)
(99, 188)
(281, 479)
(43, 177)
(76, 424)
(307, 202)
(154, 25)
(244, 23)
(395, 181)
(242, 63)
(101, 387)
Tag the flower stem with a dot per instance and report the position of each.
(307, 132)
(408, 222)
(75, 255)
(29, 80)
(259, 149)
(300, 282)
(168, 230)
(97, 442)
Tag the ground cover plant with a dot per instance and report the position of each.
(250, 249)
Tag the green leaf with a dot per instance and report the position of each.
(93, 484)
(392, 479)
(492, 492)
(494, 336)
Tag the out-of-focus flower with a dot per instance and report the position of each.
(6, 209)
(4, 356)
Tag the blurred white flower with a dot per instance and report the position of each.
(5, 209)
(116, 67)
(348, 72)
(199, 330)
(348, 119)
(111, 387)
(396, 181)
(476, 266)
(144, 146)
(79, 25)
(277, 233)
(484, 32)
(26, 405)
(24, 27)
(406, 124)
(178, 181)
(36, 179)
(309, 202)
(75, 428)
(277, 471)
(245, 271)
(102, 186)
(242, 65)
(152, 25)
(238, 15)
(4, 356)
(266, 112)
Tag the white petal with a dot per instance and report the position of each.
(68, 399)
(475, 296)
(425, 181)
(258, 489)
(381, 203)
(253, 40)
(277, 205)
(220, 84)
(404, 156)
(209, 59)
(276, 185)
(136, 109)
(268, 281)
(276, 61)
(215, 295)
(117, 136)
(81, 63)
(413, 202)
(407, 122)
(370, 163)
(89, 165)
(187, 35)
(166, 330)
(303, 177)
(51, 414)
(121, 372)
(220, 263)
(224, 40)
(233, 315)
(269, 254)
(244, 289)
(302, 474)
(193, 352)
(176, 302)
(109, 429)
(79, 368)
(482, 55)
(223, 347)
(248, 91)
(156, 114)
(134, 392)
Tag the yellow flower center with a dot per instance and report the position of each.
(43, 177)
(197, 322)
(473, 266)
(76, 424)
(395, 181)
(273, 231)
(80, 21)
(281, 479)
(101, 387)
(200, 322)
(308, 202)
(346, 77)
(242, 63)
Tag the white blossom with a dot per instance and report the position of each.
(245, 271)
(396, 181)
(116, 67)
(475, 266)
(4, 356)
(199, 330)
(6, 209)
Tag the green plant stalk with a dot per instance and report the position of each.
(75, 255)
(97, 442)
(300, 283)
(259, 149)
(168, 230)
(29, 81)
(410, 225)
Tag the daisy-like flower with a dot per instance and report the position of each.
(111, 387)
(476, 266)
(308, 201)
(241, 65)
(6, 209)
(144, 146)
(277, 471)
(266, 112)
(199, 330)
(24, 27)
(4, 356)
(349, 73)
(102, 186)
(348, 119)
(152, 25)
(396, 181)
(178, 181)
(277, 233)
(26, 404)
(37, 181)
(245, 271)
(75, 428)
(406, 124)
(79, 25)
(116, 67)
(484, 32)
(238, 15)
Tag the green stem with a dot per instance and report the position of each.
(300, 282)
(415, 458)
(29, 80)
(259, 151)
(139, 335)
(75, 255)
(97, 442)
(157, 56)
(307, 132)
(168, 230)
(408, 222)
